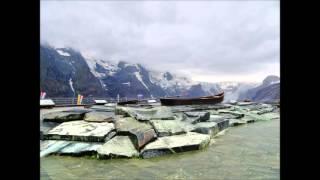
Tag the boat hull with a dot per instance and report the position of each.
(128, 102)
(192, 101)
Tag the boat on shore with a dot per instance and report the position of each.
(128, 102)
(174, 101)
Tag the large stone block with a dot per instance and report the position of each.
(233, 113)
(266, 110)
(140, 132)
(119, 146)
(236, 122)
(222, 123)
(170, 127)
(188, 108)
(64, 116)
(210, 128)
(102, 108)
(81, 131)
(95, 116)
(146, 114)
(68, 148)
(241, 121)
(197, 116)
(175, 144)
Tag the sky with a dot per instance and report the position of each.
(208, 41)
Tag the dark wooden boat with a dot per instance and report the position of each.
(128, 102)
(174, 101)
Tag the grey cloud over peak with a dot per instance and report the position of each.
(218, 39)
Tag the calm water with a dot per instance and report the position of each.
(247, 152)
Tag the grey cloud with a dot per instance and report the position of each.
(198, 38)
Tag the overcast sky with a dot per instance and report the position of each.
(207, 40)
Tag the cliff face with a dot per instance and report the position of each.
(64, 73)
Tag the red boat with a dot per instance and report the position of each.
(174, 101)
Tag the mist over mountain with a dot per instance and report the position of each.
(233, 90)
(269, 90)
(65, 72)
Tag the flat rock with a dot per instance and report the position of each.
(77, 110)
(197, 116)
(248, 119)
(64, 116)
(170, 127)
(236, 122)
(215, 117)
(81, 131)
(221, 123)
(245, 103)
(232, 112)
(95, 116)
(242, 121)
(261, 117)
(45, 127)
(146, 114)
(102, 108)
(188, 108)
(254, 107)
(266, 110)
(210, 128)
(140, 132)
(67, 148)
(175, 144)
(269, 116)
(119, 146)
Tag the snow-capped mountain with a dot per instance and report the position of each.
(269, 90)
(233, 90)
(172, 84)
(129, 79)
(65, 72)
(101, 68)
(211, 88)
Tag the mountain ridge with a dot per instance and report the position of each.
(65, 72)
(104, 78)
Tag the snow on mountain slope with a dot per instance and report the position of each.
(229, 85)
(160, 83)
(274, 82)
(138, 76)
(211, 88)
(233, 90)
(271, 79)
(61, 52)
(167, 80)
(71, 85)
(269, 89)
(65, 72)
(95, 67)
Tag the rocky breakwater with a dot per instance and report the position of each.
(133, 131)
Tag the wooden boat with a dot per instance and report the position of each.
(128, 102)
(174, 101)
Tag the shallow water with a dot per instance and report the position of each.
(249, 151)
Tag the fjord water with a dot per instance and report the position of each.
(249, 151)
